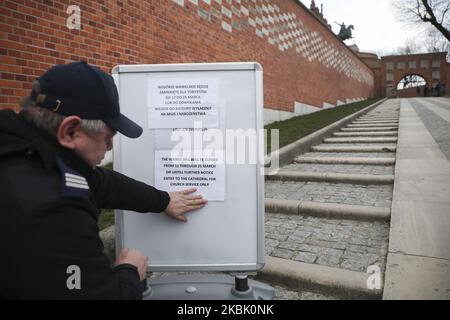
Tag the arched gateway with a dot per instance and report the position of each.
(400, 75)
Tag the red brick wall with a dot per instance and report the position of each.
(447, 83)
(411, 92)
(313, 67)
(425, 73)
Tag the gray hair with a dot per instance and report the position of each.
(50, 121)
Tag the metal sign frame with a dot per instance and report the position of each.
(121, 70)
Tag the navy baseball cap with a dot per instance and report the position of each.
(83, 90)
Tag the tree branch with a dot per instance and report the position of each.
(444, 13)
(432, 19)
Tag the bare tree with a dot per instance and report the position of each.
(435, 42)
(410, 47)
(411, 81)
(435, 12)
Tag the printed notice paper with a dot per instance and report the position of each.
(177, 103)
(206, 172)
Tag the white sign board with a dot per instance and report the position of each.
(189, 112)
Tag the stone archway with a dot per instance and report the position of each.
(412, 85)
(432, 67)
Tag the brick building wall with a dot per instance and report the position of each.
(303, 60)
(430, 66)
(411, 92)
(372, 60)
(447, 82)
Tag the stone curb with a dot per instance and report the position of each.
(327, 210)
(364, 179)
(303, 276)
(346, 160)
(354, 149)
(287, 153)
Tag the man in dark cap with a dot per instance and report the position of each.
(51, 190)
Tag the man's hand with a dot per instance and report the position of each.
(135, 258)
(182, 202)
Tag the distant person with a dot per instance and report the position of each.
(51, 190)
(425, 91)
(418, 91)
(438, 89)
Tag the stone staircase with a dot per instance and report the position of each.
(328, 212)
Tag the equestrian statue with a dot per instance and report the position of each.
(346, 32)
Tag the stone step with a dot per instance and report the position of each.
(347, 154)
(361, 140)
(332, 281)
(363, 121)
(371, 125)
(385, 124)
(349, 160)
(322, 148)
(366, 134)
(327, 210)
(340, 168)
(362, 179)
(396, 117)
(393, 117)
(390, 128)
(375, 122)
(387, 115)
(378, 118)
(326, 192)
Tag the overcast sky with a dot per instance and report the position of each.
(376, 27)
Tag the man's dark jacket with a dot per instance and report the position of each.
(48, 224)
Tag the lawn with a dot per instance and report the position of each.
(106, 219)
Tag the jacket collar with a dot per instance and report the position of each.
(24, 137)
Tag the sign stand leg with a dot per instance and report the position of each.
(241, 283)
(206, 287)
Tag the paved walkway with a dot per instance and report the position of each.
(435, 115)
(418, 262)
